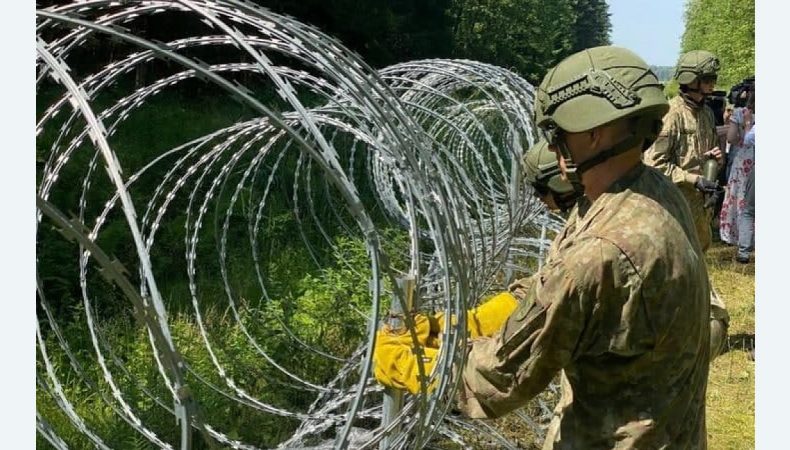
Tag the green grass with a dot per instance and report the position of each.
(730, 405)
(322, 307)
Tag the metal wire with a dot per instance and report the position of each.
(416, 165)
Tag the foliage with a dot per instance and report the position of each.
(383, 32)
(327, 309)
(527, 36)
(671, 88)
(301, 293)
(726, 29)
(592, 26)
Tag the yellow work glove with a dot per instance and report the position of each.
(394, 358)
(486, 319)
(395, 362)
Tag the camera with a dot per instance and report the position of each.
(740, 92)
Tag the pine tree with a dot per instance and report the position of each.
(593, 26)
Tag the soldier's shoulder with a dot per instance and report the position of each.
(676, 104)
(655, 196)
(581, 260)
(650, 217)
(676, 108)
(654, 178)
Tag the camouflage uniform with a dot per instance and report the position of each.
(621, 308)
(688, 132)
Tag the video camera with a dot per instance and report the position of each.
(740, 92)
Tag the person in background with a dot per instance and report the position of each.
(721, 133)
(736, 197)
(746, 220)
(687, 139)
(727, 116)
(542, 172)
(739, 96)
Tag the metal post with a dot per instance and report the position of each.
(393, 398)
(542, 238)
(515, 201)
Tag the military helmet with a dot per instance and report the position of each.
(696, 64)
(596, 86)
(542, 171)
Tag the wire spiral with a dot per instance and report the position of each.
(325, 162)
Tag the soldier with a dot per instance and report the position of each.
(542, 172)
(688, 138)
(620, 308)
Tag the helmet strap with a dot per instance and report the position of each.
(644, 131)
(690, 101)
(624, 145)
(571, 170)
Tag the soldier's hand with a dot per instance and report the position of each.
(705, 186)
(711, 199)
(484, 320)
(395, 356)
(488, 318)
(715, 152)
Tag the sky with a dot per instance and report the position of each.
(651, 28)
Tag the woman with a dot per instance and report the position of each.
(735, 201)
(746, 218)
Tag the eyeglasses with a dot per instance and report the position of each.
(709, 78)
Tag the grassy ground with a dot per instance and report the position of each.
(731, 383)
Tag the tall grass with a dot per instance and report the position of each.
(730, 404)
(326, 308)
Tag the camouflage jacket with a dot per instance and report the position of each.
(621, 309)
(688, 132)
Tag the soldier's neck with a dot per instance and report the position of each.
(694, 100)
(598, 178)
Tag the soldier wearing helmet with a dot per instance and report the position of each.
(542, 172)
(620, 309)
(687, 139)
(688, 136)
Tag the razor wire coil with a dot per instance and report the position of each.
(417, 163)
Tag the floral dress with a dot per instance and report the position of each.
(735, 197)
